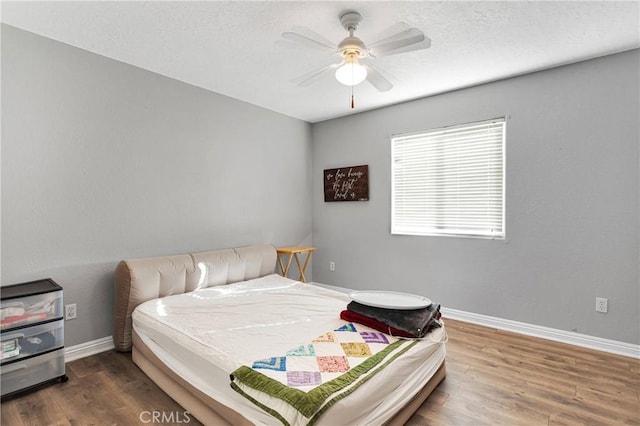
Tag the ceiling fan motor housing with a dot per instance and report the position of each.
(352, 46)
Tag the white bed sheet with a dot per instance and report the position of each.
(205, 335)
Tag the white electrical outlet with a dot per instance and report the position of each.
(70, 311)
(332, 266)
(601, 304)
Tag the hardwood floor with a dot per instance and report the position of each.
(493, 378)
(496, 377)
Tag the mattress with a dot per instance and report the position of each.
(205, 335)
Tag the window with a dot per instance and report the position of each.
(449, 181)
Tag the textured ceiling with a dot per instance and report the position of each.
(233, 48)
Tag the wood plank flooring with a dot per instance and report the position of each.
(496, 377)
(493, 378)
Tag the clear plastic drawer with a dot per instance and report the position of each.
(32, 371)
(24, 342)
(30, 310)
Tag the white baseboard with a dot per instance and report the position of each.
(583, 340)
(93, 347)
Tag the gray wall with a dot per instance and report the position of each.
(572, 189)
(103, 161)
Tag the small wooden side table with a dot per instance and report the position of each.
(293, 253)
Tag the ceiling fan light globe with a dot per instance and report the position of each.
(351, 74)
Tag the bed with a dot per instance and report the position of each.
(194, 321)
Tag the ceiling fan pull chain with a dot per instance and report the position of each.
(353, 104)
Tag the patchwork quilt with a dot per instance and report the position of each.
(311, 377)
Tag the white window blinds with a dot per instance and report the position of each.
(449, 181)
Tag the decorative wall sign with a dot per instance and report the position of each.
(347, 184)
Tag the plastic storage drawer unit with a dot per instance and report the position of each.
(31, 335)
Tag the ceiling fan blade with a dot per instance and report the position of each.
(393, 30)
(315, 75)
(308, 38)
(400, 43)
(425, 44)
(377, 80)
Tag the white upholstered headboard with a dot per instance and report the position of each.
(139, 280)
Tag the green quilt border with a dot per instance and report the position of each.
(308, 403)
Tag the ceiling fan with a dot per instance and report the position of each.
(356, 65)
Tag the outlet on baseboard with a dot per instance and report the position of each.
(70, 311)
(601, 304)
